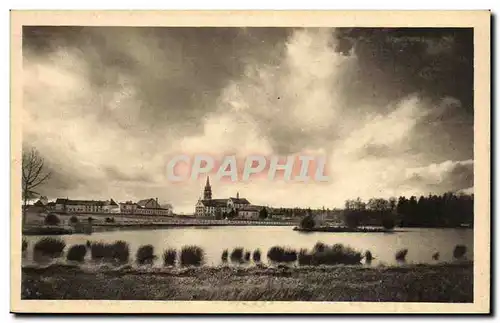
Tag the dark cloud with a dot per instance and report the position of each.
(177, 73)
(102, 102)
(437, 62)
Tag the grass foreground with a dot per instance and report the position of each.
(411, 283)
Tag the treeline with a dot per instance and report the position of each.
(447, 210)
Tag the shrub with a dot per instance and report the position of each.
(388, 223)
(435, 256)
(145, 255)
(247, 256)
(401, 255)
(24, 245)
(120, 251)
(50, 246)
(256, 255)
(281, 254)
(88, 244)
(100, 250)
(169, 257)
(290, 255)
(459, 251)
(73, 219)
(263, 214)
(368, 257)
(224, 255)
(352, 219)
(304, 257)
(110, 220)
(90, 219)
(307, 222)
(237, 255)
(52, 219)
(77, 253)
(319, 247)
(336, 254)
(192, 256)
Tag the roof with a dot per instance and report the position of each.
(112, 202)
(128, 203)
(255, 208)
(79, 202)
(215, 202)
(153, 204)
(239, 201)
(144, 202)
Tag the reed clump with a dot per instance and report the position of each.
(335, 255)
(169, 257)
(459, 251)
(77, 253)
(119, 251)
(145, 255)
(256, 256)
(237, 255)
(224, 255)
(50, 246)
(401, 255)
(192, 256)
(280, 254)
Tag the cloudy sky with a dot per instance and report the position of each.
(391, 109)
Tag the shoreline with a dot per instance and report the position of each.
(448, 282)
(103, 227)
(341, 229)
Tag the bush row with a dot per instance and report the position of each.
(119, 252)
(240, 255)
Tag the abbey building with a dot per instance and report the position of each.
(240, 207)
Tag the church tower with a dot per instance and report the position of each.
(207, 193)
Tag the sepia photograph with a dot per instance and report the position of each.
(322, 160)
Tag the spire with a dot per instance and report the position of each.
(207, 193)
(237, 195)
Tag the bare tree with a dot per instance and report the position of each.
(34, 175)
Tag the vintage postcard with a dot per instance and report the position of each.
(250, 162)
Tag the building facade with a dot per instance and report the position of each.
(207, 206)
(78, 206)
(111, 207)
(152, 207)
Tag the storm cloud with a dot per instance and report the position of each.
(107, 106)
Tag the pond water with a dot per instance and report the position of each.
(421, 243)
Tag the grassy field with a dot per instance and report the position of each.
(421, 283)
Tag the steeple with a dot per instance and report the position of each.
(237, 195)
(207, 193)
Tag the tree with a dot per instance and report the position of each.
(33, 175)
(263, 213)
(231, 214)
(307, 222)
(352, 219)
(52, 219)
(218, 214)
(388, 222)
